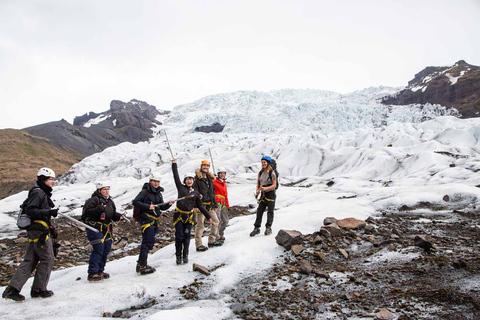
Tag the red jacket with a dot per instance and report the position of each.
(221, 195)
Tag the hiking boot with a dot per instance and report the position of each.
(104, 275)
(12, 294)
(185, 259)
(222, 238)
(215, 244)
(255, 232)
(95, 277)
(179, 260)
(146, 269)
(268, 231)
(37, 293)
(202, 248)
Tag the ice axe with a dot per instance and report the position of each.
(182, 198)
(168, 142)
(78, 222)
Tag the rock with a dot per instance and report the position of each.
(20, 240)
(333, 229)
(329, 220)
(446, 198)
(201, 269)
(117, 314)
(370, 228)
(384, 314)
(305, 267)
(78, 279)
(422, 243)
(297, 249)
(350, 223)
(317, 240)
(321, 273)
(325, 233)
(107, 314)
(321, 255)
(330, 183)
(251, 205)
(3, 246)
(343, 252)
(287, 238)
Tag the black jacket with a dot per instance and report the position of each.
(183, 190)
(38, 206)
(205, 187)
(148, 196)
(98, 204)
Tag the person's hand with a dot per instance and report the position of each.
(53, 212)
(257, 192)
(53, 232)
(174, 160)
(152, 207)
(195, 210)
(209, 220)
(122, 217)
(171, 202)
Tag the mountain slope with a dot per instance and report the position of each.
(92, 133)
(22, 154)
(456, 86)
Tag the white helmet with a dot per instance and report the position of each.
(221, 169)
(46, 172)
(188, 175)
(100, 185)
(155, 176)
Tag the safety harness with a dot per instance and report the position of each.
(147, 225)
(188, 219)
(223, 203)
(46, 226)
(109, 231)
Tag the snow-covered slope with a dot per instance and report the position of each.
(385, 157)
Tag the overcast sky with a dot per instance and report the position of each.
(60, 59)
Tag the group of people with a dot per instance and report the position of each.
(202, 196)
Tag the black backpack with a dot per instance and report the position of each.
(273, 163)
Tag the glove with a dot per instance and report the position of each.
(54, 212)
(53, 232)
(56, 246)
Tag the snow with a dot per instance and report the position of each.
(453, 79)
(385, 156)
(96, 120)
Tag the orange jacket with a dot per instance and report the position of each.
(221, 195)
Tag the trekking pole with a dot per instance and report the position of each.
(211, 158)
(168, 142)
(182, 198)
(78, 222)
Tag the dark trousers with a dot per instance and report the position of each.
(36, 257)
(148, 241)
(183, 233)
(100, 251)
(264, 204)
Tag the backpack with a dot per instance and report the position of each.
(137, 214)
(274, 167)
(23, 220)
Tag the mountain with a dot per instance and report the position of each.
(22, 154)
(456, 86)
(91, 133)
(337, 155)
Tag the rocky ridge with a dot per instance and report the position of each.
(456, 86)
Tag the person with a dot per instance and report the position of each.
(39, 253)
(99, 211)
(221, 197)
(204, 185)
(183, 215)
(150, 202)
(266, 184)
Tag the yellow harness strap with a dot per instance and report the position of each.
(265, 198)
(223, 203)
(147, 225)
(101, 229)
(189, 219)
(45, 225)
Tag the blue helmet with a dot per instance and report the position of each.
(267, 158)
